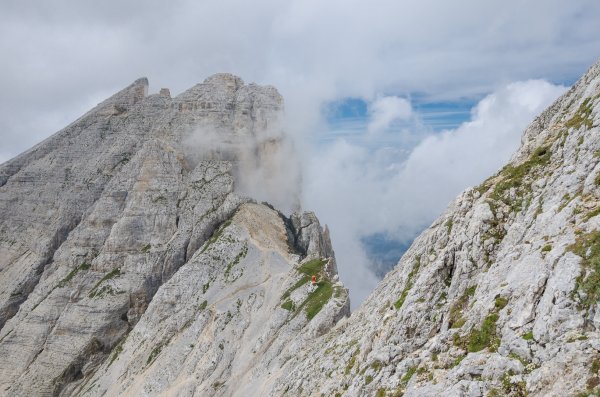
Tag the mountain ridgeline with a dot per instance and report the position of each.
(500, 296)
(132, 262)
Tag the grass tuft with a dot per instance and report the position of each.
(528, 335)
(456, 319)
(409, 283)
(582, 117)
(288, 305)
(500, 302)
(485, 336)
(72, 273)
(587, 286)
(408, 375)
(112, 274)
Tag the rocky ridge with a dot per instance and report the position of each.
(126, 245)
(499, 296)
(131, 265)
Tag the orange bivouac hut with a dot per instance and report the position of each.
(313, 280)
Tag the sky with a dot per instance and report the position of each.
(394, 106)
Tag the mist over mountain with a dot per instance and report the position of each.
(331, 198)
(134, 262)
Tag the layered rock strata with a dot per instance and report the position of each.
(113, 211)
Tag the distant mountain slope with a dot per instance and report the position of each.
(500, 296)
(120, 207)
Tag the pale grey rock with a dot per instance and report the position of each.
(142, 270)
(101, 233)
(488, 300)
(217, 326)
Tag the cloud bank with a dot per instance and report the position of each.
(384, 111)
(359, 191)
(60, 58)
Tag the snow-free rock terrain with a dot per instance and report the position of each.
(129, 264)
(500, 296)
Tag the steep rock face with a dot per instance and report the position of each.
(500, 296)
(221, 325)
(94, 220)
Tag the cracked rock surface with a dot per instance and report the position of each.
(130, 266)
(119, 249)
(498, 297)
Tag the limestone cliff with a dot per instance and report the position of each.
(131, 261)
(498, 297)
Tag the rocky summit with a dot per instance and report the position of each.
(132, 262)
(135, 262)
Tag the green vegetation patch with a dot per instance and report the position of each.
(409, 284)
(317, 299)
(547, 248)
(408, 375)
(351, 362)
(449, 224)
(587, 286)
(154, 353)
(591, 214)
(458, 360)
(456, 319)
(485, 186)
(72, 273)
(288, 305)
(112, 274)
(510, 388)
(500, 302)
(118, 349)
(515, 177)
(583, 115)
(376, 365)
(484, 337)
(312, 267)
(308, 269)
(241, 255)
(528, 335)
(215, 236)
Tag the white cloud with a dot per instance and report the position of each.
(62, 57)
(358, 192)
(384, 111)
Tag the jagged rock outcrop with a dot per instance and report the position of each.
(228, 320)
(106, 254)
(500, 296)
(131, 265)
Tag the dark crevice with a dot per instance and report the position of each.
(73, 372)
(292, 237)
(292, 233)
